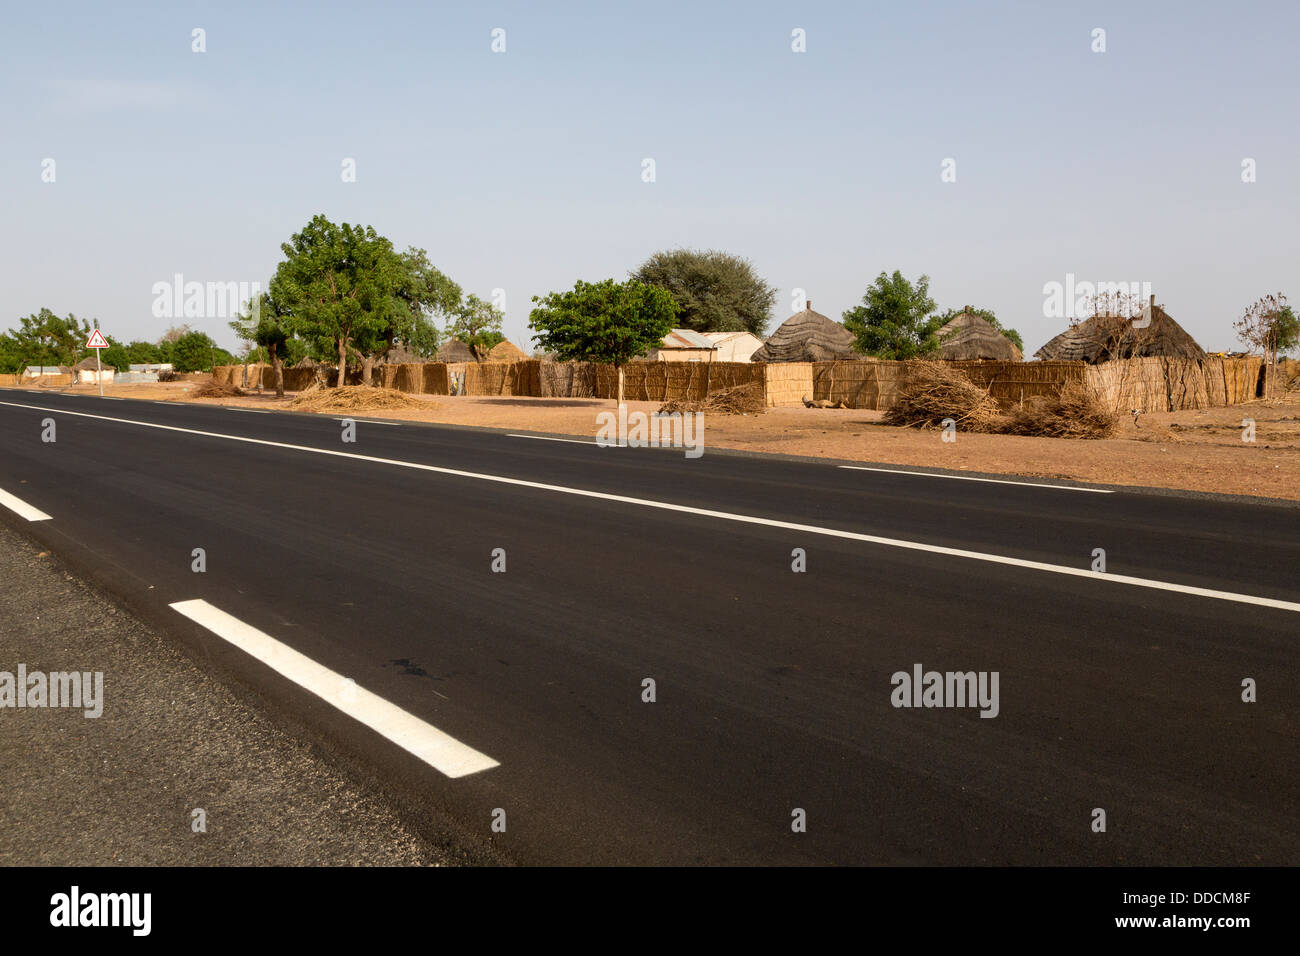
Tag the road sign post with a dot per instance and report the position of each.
(97, 342)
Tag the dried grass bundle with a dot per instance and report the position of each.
(1074, 413)
(933, 391)
(737, 400)
(213, 389)
(353, 398)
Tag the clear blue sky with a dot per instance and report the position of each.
(522, 170)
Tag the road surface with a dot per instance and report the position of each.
(352, 587)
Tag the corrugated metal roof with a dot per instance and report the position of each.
(686, 339)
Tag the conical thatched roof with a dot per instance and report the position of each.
(971, 336)
(807, 336)
(88, 365)
(456, 351)
(506, 351)
(1106, 337)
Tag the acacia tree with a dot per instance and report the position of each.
(342, 283)
(1269, 325)
(604, 322)
(716, 291)
(894, 320)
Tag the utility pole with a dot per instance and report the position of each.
(99, 370)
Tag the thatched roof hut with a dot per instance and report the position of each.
(88, 365)
(1105, 337)
(456, 351)
(971, 336)
(807, 336)
(505, 351)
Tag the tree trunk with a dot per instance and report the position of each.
(367, 364)
(343, 361)
(279, 372)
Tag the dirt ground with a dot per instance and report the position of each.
(1197, 450)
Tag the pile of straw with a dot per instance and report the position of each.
(1074, 413)
(353, 398)
(213, 389)
(737, 400)
(933, 391)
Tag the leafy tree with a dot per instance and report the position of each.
(11, 356)
(341, 283)
(266, 326)
(145, 353)
(894, 320)
(196, 352)
(44, 338)
(478, 325)
(715, 290)
(604, 322)
(427, 294)
(115, 355)
(988, 316)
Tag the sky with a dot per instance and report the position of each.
(524, 170)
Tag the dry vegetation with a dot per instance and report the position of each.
(738, 400)
(211, 389)
(1074, 413)
(353, 398)
(933, 392)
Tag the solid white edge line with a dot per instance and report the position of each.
(255, 411)
(724, 515)
(441, 751)
(22, 508)
(363, 421)
(571, 441)
(995, 481)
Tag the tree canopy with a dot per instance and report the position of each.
(895, 319)
(603, 322)
(715, 290)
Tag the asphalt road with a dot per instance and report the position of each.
(1120, 691)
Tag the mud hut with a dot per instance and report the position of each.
(807, 336)
(1105, 337)
(971, 336)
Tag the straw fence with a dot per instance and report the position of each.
(1148, 384)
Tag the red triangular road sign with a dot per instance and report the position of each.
(97, 341)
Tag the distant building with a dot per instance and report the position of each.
(734, 346)
(46, 371)
(683, 345)
(971, 336)
(88, 372)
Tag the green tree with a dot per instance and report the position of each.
(715, 290)
(341, 283)
(115, 355)
(478, 324)
(428, 295)
(266, 326)
(11, 356)
(988, 316)
(44, 338)
(604, 322)
(196, 352)
(894, 320)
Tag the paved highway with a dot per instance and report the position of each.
(351, 586)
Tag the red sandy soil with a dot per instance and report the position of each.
(1198, 450)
